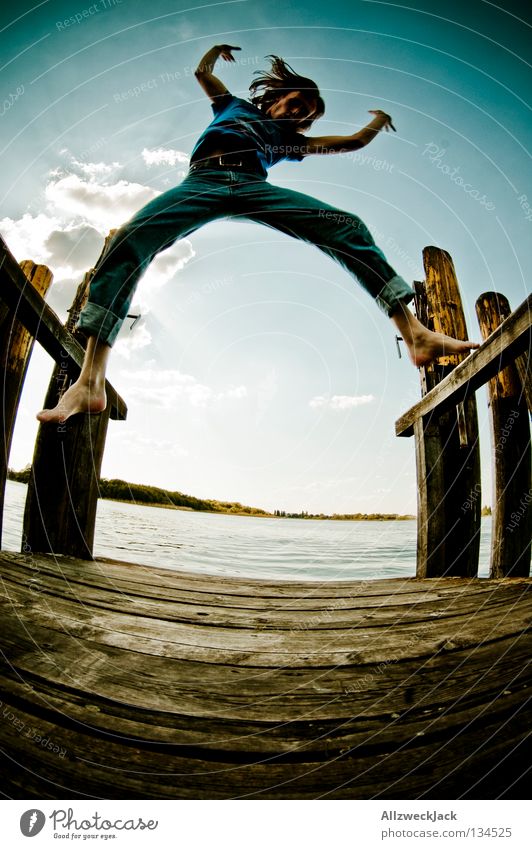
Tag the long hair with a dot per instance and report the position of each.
(281, 79)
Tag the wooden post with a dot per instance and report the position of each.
(60, 512)
(430, 500)
(16, 345)
(447, 449)
(62, 498)
(510, 430)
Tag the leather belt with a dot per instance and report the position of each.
(245, 161)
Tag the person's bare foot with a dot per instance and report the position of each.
(426, 346)
(81, 397)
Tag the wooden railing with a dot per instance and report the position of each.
(62, 495)
(445, 427)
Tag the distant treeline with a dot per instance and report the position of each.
(139, 493)
(353, 517)
(120, 490)
(124, 491)
(22, 477)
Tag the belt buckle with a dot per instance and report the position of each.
(229, 164)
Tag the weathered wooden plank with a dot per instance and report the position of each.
(105, 762)
(391, 708)
(43, 324)
(376, 598)
(16, 345)
(356, 655)
(145, 702)
(352, 596)
(254, 646)
(524, 369)
(355, 597)
(510, 438)
(263, 589)
(150, 681)
(57, 595)
(125, 769)
(132, 573)
(108, 570)
(510, 340)
(153, 704)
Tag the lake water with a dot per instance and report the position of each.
(246, 546)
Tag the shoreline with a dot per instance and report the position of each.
(369, 517)
(253, 512)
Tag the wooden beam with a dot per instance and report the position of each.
(510, 431)
(43, 323)
(524, 370)
(512, 338)
(16, 345)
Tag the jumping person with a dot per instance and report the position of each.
(227, 178)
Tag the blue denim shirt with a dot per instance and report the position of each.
(240, 126)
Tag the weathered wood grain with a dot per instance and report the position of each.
(447, 445)
(510, 340)
(511, 463)
(16, 345)
(264, 696)
(63, 489)
(524, 369)
(43, 323)
(297, 616)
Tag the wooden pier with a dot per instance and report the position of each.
(129, 681)
(163, 684)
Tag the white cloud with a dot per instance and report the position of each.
(139, 338)
(161, 271)
(166, 264)
(164, 156)
(26, 237)
(168, 387)
(340, 402)
(233, 392)
(49, 240)
(96, 169)
(102, 205)
(68, 236)
(76, 247)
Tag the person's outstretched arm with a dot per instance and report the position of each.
(211, 85)
(342, 144)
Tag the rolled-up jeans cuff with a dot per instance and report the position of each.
(100, 322)
(394, 291)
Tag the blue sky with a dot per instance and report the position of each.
(260, 371)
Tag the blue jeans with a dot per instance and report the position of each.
(208, 194)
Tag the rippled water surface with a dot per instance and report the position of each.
(246, 546)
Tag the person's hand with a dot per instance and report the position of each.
(226, 51)
(388, 125)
